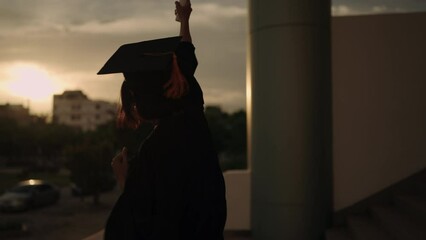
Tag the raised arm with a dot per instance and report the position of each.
(184, 60)
(184, 12)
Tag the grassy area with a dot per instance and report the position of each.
(11, 178)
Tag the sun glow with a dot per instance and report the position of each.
(31, 82)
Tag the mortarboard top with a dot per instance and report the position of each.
(146, 56)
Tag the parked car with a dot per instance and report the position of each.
(29, 194)
(81, 191)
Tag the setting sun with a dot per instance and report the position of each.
(31, 82)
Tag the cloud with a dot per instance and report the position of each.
(125, 26)
(386, 9)
(206, 15)
(106, 16)
(342, 10)
(229, 100)
(379, 9)
(216, 15)
(362, 9)
(73, 39)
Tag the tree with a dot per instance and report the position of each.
(90, 160)
(21, 144)
(237, 142)
(219, 127)
(229, 136)
(90, 167)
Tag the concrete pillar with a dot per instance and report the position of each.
(289, 118)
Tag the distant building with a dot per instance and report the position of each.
(18, 113)
(74, 108)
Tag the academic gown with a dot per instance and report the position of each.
(174, 188)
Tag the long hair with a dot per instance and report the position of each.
(127, 113)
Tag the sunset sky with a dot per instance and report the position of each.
(48, 46)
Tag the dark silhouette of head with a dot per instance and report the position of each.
(143, 98)
(154, 83)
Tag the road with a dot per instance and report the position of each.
(70, 219)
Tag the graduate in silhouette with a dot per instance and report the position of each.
(173, 189)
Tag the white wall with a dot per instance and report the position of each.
(238, 194)
(379, 102)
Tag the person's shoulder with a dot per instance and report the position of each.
(186, 44)
(185, 48)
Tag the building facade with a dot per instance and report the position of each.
(74, 108)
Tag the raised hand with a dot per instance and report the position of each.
(119, 166)
(183, 10)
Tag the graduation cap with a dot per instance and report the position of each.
(146, 56)
(156, 60)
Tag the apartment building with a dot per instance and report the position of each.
(74, 108)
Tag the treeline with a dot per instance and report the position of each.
(43, 146)
(229, 136)
(47, 145)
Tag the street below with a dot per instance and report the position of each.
(70, 218)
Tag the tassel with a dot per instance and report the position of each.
(177, 86)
